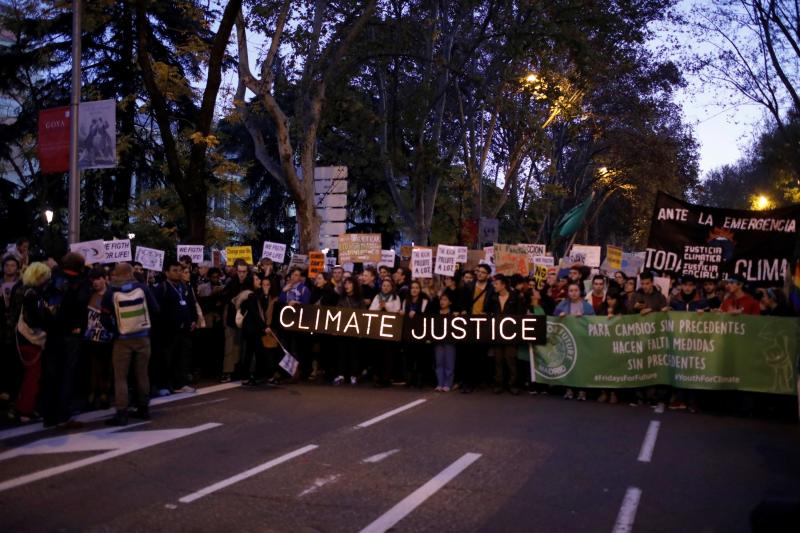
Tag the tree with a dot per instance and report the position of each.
(185, 127)
(319, 43)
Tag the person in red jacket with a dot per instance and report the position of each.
(736, 300)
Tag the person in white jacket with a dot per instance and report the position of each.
(387, 299)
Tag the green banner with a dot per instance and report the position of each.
(686, 350)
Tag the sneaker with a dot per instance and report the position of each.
(445, 389)
(437, 389)
(164, 392)
(581, 395)
(226, 378)
(603, 398)
(400, 383)
(677, 406)
(184, 389)
(612, 398)
(353, 380)
(569, 394)
(338, 380)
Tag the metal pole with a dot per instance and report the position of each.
(74, 203)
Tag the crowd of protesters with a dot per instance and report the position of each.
(78, 337)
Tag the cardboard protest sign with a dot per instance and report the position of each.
(93, 252)
(546, 260)
(540, 274)
(405, 251)
(588, 255)
(232, 253)
(118, 251)
(195, 251)
(663, 285)
(150, 258)
(360, 248)
(511, 259)
(614, 257)
(445, 260)
(461, 254)
(316, 263)
(534, 250)
(387, 259)
(474, 258)
(421, 263)
(274, 250)
(298, 260)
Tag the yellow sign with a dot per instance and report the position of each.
(233, 253)
(614, 256)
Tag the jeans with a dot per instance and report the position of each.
(445, 364)
(125, 351)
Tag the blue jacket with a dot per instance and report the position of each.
(563, 307)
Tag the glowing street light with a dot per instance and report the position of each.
(531, 78)
(760, 202)
(48, 215)
(131, 235)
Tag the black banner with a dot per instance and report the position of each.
(493, 329)
(710, 243)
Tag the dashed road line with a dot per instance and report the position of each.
(646, 452)
(389, 414)
(319, 483)
(247, 474)
(378, 457)
(418, 497)
(627, 512)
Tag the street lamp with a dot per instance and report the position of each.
(131, 235)
(48, 216)
(760, 202)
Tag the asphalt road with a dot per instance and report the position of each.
(316, 458)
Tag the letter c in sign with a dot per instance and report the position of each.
(286, 308)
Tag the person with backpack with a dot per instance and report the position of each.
(31, 331)
(68, 296)
(128, 309)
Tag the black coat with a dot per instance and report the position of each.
(515, 305)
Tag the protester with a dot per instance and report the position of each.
(415, 357)
(128, 310)
(10, 307)
(474, 298)
(179, 319)
(505, 302)
(629, 296)
(260, 341)
(98, 343)
(324, 291)
(349, 349)
(688, 299)
(773, 303)
(243, 280)
(574, 305)
(711, 294)
(647, 299)
(35, 321)
(598, 293)
(736, 300)
(445, 353)
(67, 295)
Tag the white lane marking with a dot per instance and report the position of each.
(646, 453)
(378, 457)
(319, 483)
(195, 404)
(246, 474)
(627, 513)
(93, 416)
(418, 497)
(103, 439)
(391, 413)
(659, 408)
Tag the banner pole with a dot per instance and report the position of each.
(74, 202)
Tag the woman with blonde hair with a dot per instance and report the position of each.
(34, 321)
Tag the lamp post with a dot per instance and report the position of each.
(48, 216)
(74, 199)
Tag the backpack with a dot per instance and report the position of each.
(131, 311)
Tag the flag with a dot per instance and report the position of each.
(572, 220)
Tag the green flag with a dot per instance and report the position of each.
(571, 221)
